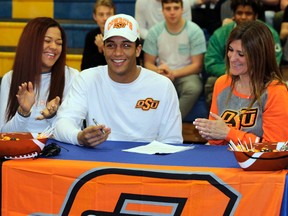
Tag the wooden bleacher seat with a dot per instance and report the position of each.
(200, 110)
(10, 32)
(83, 9)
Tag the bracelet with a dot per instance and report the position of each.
(22, 114)
(54, 114)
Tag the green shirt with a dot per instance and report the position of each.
(214, 60)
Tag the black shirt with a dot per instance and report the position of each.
(91, 56)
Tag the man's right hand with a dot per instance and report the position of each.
(93, 136)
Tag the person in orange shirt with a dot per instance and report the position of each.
(250, 103)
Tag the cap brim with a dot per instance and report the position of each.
(128, 36)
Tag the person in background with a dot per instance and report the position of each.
(175, 48)
(279, 16)
(284, 36)
(32, 92)
(267, 9)
(214, 60)
(93, 48)
(137, 104)
(250, 102)
(149, 12)
(206, 14)
(284, 40)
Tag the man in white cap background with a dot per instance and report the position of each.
(134, 103)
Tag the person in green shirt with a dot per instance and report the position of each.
(214, 59)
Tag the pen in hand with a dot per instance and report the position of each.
(96, 123)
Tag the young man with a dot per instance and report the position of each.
(137, 104)
(175, 49)
(149, 12)
(244, 10)
(93, 48)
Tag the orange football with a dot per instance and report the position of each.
(264, 158)
(20, 145)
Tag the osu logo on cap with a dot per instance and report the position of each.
(120, 23)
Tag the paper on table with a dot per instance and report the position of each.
(156, 147)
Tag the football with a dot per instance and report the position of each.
(21, 145)
(262, 157)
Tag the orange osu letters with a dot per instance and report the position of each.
(120, 23)
(147, 104)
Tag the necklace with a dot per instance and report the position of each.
(244, 90)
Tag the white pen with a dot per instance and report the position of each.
(96, 123)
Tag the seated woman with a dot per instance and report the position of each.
(250, 103)
(33, 90)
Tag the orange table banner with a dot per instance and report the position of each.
(66, 187)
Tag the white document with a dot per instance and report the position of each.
(156, 147)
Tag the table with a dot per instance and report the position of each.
(107, 181)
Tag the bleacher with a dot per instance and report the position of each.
(75, 16)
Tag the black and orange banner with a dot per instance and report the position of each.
(63, 187)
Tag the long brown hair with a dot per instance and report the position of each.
(28, 62)
(259, 48)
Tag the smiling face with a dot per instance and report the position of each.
(237, 60)
(120, 55)
(52, 48)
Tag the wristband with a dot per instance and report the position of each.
(22, 114)
(54, 114)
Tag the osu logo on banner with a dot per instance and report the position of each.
(123, 191)
(147, 104)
